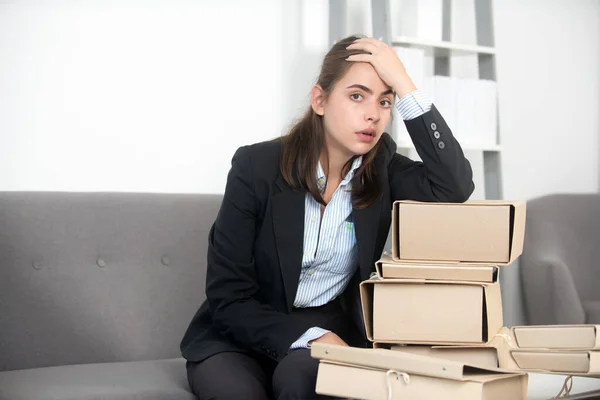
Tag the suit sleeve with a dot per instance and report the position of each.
(231, 285)
(444, 174)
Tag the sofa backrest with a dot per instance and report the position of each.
(562, 229)
(99, 277)
(567, 226)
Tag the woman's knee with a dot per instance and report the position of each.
(296, 376)
(228, 376)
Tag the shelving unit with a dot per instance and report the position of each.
(445, 54)
(442, 48)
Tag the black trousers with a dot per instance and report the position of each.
(249, 376)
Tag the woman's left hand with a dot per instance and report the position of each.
(386, 63)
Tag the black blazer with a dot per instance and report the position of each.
(256, 243)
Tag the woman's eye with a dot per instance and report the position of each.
(356, 96)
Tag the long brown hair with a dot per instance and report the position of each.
(302, 145)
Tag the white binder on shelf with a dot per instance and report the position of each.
(475, 157)
(467, 109)
(422, 19)
(444, 98)
(486, 117)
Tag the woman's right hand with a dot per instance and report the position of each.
(330, 338)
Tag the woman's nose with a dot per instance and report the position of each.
(372, 114)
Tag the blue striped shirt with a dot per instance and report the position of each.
(330, 255)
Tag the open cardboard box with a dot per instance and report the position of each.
(567, 350)
(380, 374)
(387, 268)
(431, 312)
(487, 232)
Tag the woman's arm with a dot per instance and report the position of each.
(443, 175)
(231, 284)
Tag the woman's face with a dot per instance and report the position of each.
(357, 111)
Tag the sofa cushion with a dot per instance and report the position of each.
(147, 380)
(592, 312)
(99, 277)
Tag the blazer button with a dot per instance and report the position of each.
(274, 354)
(268, 352)
(433, 126)
(436, 134)
(441, 145)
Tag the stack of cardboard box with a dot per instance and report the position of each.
(436, 301)
(441, 284)
(440, 288)
(477, 238)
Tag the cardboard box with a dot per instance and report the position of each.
(387, 268)
(571, 337)
(487, 232)
(553, 349)
(430, 312)
(483, 356)
(384, 374)
(570, 362)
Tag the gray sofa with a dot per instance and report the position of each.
(560, 266)
(96, 291)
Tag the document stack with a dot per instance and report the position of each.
(438, 289)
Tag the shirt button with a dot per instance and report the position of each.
(313, 219)
(312, 272)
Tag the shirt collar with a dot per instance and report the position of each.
(322, 179)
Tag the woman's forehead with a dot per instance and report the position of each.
(362, 73)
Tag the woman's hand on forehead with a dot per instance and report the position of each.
(386, 63)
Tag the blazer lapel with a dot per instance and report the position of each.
(366, 224)
(288, 225)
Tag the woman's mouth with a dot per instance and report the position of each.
(366, 135)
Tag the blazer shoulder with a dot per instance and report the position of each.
(262, 158)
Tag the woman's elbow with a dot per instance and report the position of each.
(460, 193)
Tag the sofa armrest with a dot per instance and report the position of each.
(550, 294)
(565, 303)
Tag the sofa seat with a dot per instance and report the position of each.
(143, 380)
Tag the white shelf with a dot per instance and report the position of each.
(465, 146)
(441, 48)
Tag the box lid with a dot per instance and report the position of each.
(583, 337)
(415, 364)
(558, 361)
(387, 268)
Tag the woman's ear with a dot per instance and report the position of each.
(317, 99)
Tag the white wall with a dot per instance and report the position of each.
(549, 94)
(151, 96)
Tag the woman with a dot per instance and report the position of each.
(303, 220)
